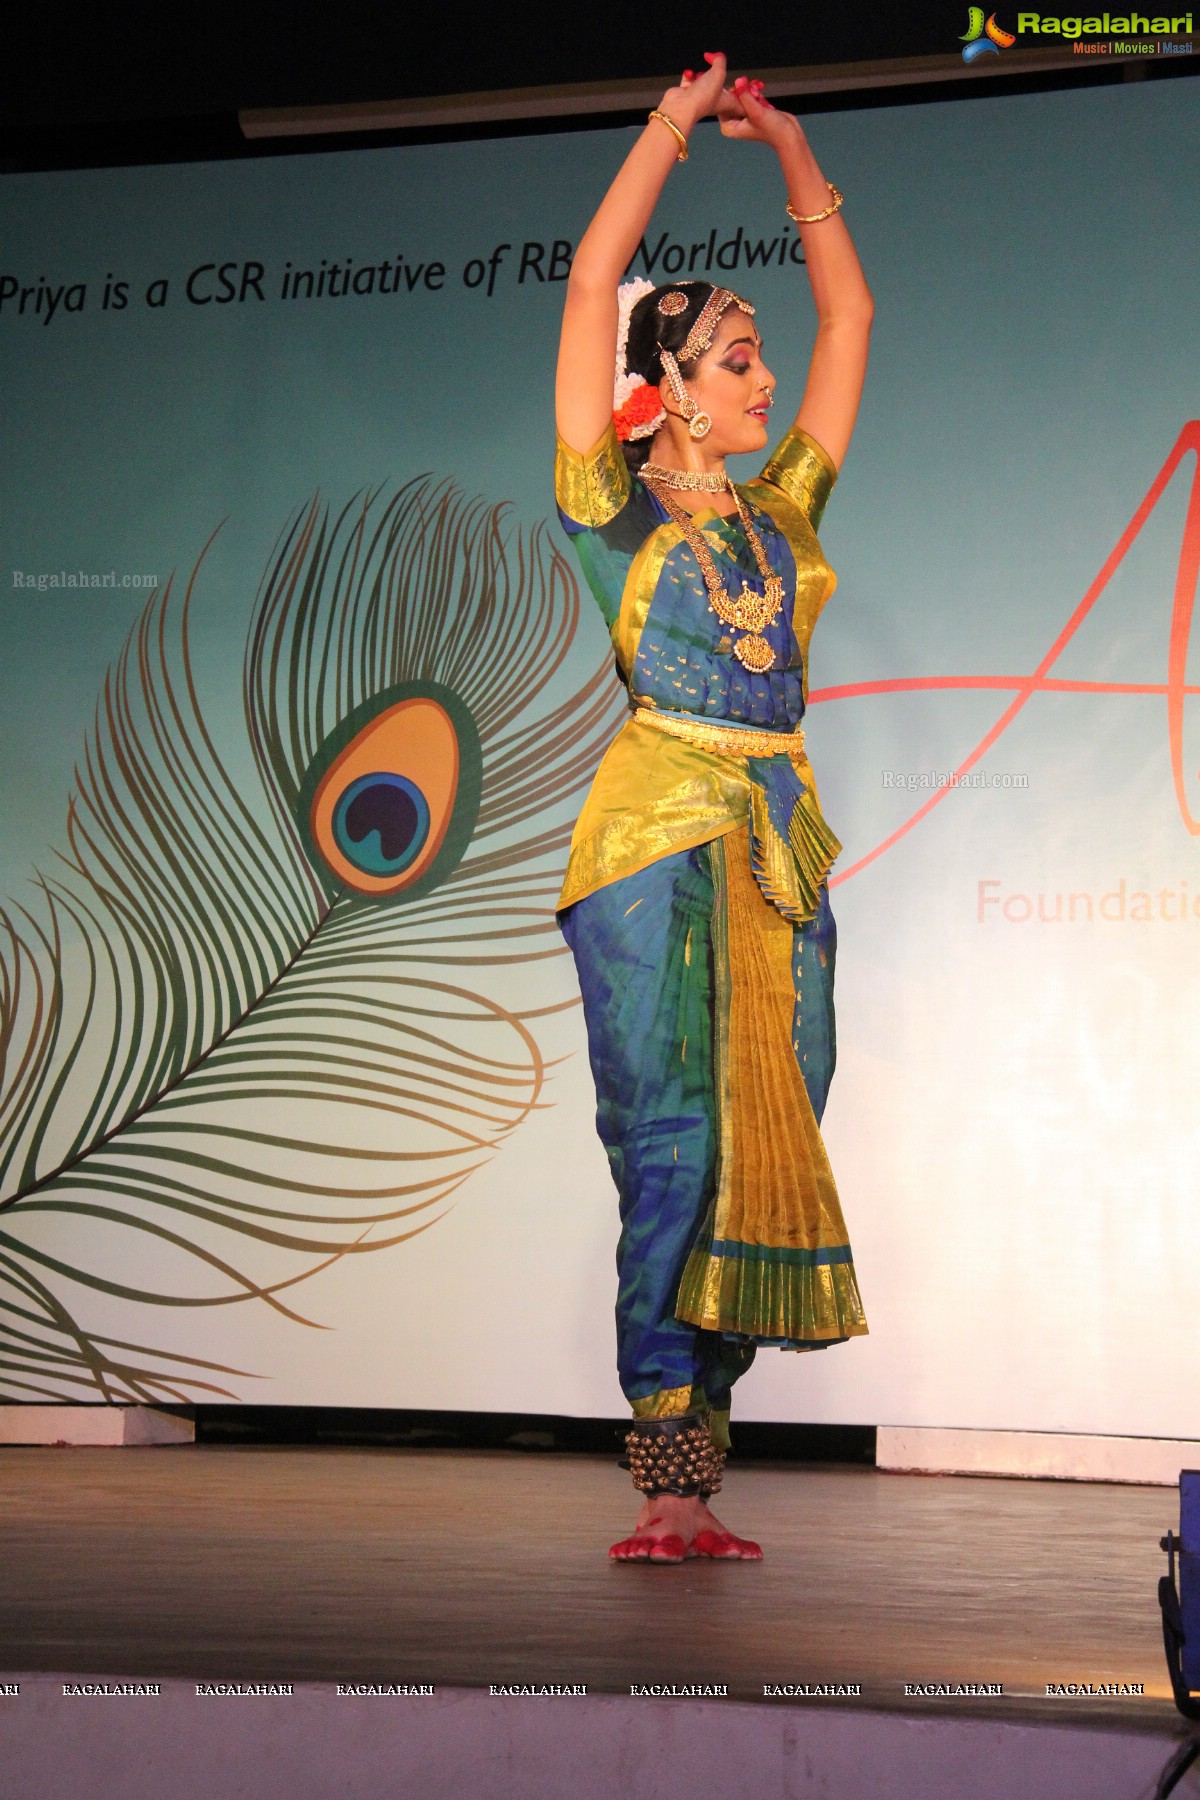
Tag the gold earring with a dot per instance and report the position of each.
(698, 423)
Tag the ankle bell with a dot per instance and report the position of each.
(674, 1456)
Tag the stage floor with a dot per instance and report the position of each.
(466, 1569)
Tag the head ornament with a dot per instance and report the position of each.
(713, 311)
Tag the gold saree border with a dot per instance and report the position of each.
(652, 796)
(800, 468)
(592, 486)
(666, 1403)
(773, 1259)
(815, 580)
(655, 794)
(637, 596)
(677, 1403)
(792, 871)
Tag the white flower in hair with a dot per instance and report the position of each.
(637, 409)
(628, 295)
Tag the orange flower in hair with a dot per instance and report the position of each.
(643, 409)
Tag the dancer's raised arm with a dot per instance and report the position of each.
(584, 389)
(843, 299)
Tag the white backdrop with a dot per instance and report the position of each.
(1013, 1120)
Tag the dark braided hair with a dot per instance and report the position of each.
(651, 331)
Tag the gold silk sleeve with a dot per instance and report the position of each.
(591, 489)
(804, 472)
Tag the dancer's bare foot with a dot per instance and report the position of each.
(665, 1528)
(671, 1528)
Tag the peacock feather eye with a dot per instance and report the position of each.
(381, 824)
(390, 799)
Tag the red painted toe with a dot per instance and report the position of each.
(667, 1549)
(724, 1547)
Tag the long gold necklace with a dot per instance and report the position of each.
(750, 613)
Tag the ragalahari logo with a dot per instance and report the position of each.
(984, 37)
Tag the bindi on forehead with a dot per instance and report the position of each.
(736, 330)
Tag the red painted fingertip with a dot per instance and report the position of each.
(740, 83)
(710, 56)
(688, 76)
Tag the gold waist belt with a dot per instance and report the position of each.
(724, 740)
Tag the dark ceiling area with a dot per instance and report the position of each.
(131, 83)
(120, 64)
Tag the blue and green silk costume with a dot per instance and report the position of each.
(696, 906)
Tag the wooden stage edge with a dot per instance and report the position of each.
(472, 1569)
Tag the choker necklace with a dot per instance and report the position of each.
(695, 481)
(749, 613)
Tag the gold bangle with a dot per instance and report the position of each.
(815, 218)
(673, 128)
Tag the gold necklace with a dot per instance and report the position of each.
(750, 613)
(694, 480)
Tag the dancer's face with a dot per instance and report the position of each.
(731, 383)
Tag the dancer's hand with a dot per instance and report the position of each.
(745, 112)
(699, 95)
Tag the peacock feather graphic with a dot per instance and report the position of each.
(269, 1007)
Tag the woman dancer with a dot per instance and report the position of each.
(695, 901)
